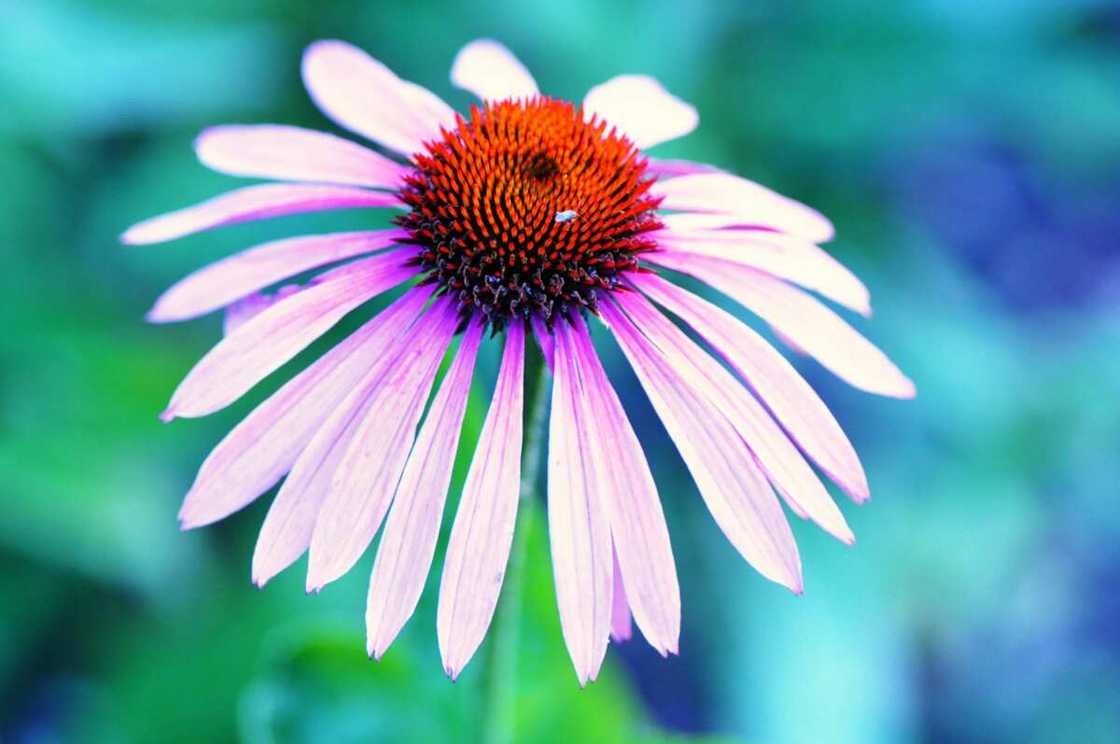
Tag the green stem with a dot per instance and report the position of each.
(500, 706)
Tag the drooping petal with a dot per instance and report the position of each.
(288, 153)
(241, 274)
(794, 403)
(784, 256)
(623, 478)
(408, 543)
(642, 109)
(772, 449)
(250, 353)
(366, 476)
(621, 629)
(363, 95)
(478, 549)
(290, 523)
(253, 203)
(544, 340)
(250, 306)
(263, 446)
(817, 330)
(662, 168)
(749, 202)
(734, 489)
(490, 71)
(578, 530)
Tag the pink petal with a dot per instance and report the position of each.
(491, 72)
(792, 401)
(641, 109)
(287, 530)
(784, 256)
(719, 221)
(253, 203)
(544, 340)
(294, 154)
(814, 328)
(661, 168)
(734, 489)
(222, 282)
(366, 476)
(256, 349)
(248, 307)
(578, 530)
(744, 200)
(621, 629)
(640, 536)
(263, 446)
(363, 95)
(478, 549)
(408, 543)
(774, 452)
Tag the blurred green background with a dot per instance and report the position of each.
(969, 154)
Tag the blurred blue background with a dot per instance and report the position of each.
(969, 154)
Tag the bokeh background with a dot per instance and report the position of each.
(969, 154)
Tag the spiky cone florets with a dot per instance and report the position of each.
(529, 208)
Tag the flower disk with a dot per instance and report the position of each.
(527, 208)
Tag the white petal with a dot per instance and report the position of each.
(366, 97)
(294, 154)
(747, 202)
(642, 109)
(491, 72)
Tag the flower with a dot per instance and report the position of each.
(529, 216)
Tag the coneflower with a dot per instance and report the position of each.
(526, 218)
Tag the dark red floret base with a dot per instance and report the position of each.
(526, 208)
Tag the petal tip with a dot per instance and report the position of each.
(159, 313)
(260, 576)
(135, 235)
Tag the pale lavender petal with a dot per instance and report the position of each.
(363, 95)
(578, 531)
(289, 153)
(730, 482)
(366, 476)
(640, 535)
(788, 396)
(408, 543)
(478, 549)
(709, 221)
(290, 523)
(544, 340)
(814, 328)
(774, 452)
(745, 200)
(245, 357)
(254, 203)
(784, 256)
(621, 627)
(241, 274)
(673, 168)
(642, 109)
(247, 307)
(491, 72)
(789, 342)
(264, 445)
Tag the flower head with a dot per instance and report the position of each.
(528, 217)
